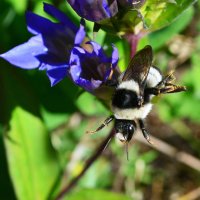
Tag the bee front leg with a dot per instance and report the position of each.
(105, 123)
(144, 131)
(167, 86)
(152, 91)
(171, 88)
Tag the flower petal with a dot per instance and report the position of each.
(75, 71)
(51, 59)
(56, 74)
(37, 24)
(24, 55)
(57, 14)
(88, 85)
(98, 50)
(115, 56)
(80, 35)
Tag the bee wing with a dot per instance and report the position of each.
(139, 66)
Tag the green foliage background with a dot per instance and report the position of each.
(42, 128)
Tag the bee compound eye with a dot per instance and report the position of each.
(130, 128)
(130, 132)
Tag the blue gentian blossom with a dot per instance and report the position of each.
(82, 64)
(50, 47)
(99, 10)
(59, 49)
(95, 10)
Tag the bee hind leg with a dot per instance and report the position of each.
(105, 123)
(144, 131)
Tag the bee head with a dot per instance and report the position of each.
(124, 129)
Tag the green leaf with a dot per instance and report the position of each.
(160, 37)
(159, 13)
(19, 5)
(33, 163)
(154, 15)
(94, 194)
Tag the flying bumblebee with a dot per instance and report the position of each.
(133, 92)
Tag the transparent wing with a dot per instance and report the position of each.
(139, 66)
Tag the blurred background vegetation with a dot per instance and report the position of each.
(43, 144)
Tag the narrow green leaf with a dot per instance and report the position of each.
(33, 163)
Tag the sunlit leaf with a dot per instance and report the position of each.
(168, 32)
(159, 13)
(152, 16)
(19, 5)
(33, 163)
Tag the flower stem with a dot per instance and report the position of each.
(133, 40)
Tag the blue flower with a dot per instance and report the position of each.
(59, 48)
(90, 68)
(98, 10)
(50, 47)
(94, 10)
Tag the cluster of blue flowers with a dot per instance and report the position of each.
(63, 49)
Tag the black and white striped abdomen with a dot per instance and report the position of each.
(125, 104)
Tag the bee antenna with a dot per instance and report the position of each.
(106, 145)
(126, 149)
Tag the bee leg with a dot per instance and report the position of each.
(109, 81)
(168, 88)
(171, 88)
(144, 131)
(105, 123)
(152, 91)
(169, 78)
(111, 74)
